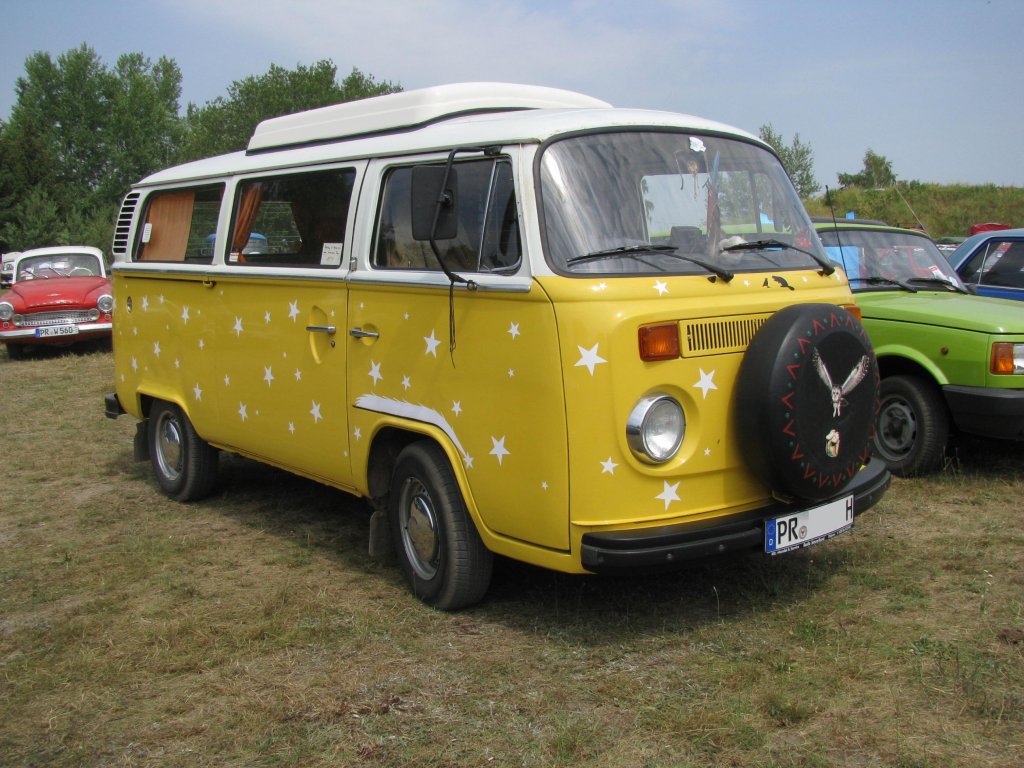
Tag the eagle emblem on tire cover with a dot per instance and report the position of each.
(855, 377)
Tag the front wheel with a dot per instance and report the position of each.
(912, 427)
(185, 464)
(445, 562)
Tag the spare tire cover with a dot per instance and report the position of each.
(806, 401)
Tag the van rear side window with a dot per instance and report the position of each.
(178, 225)
(488, 222)
(295, 220)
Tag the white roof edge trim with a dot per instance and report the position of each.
(407, 109)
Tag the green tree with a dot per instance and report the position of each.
(797, 159)
(226, 123)
(877, 173)
(78, 135)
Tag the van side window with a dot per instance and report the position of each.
(295, 220)
(178, 225)
(488, 229)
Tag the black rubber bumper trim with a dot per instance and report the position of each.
(987, 411)
(669, 545)
(112, 406)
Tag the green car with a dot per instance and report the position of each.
(950, 361)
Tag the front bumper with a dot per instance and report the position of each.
(670, 545)
(86, 331)
(987, 411)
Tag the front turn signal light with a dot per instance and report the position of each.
(659, 342)
(1007, 358)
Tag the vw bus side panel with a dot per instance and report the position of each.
(237, 354)
(497, 397)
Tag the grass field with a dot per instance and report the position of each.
(253, 630)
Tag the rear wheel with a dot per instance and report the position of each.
(445, 562)
(912, 427)
(185, 465)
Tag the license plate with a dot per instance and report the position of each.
(801, 529)
(56, 330)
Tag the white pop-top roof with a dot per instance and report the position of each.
(408, 109)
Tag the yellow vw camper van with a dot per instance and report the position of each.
(517, 320)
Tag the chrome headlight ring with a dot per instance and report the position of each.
(655, 428)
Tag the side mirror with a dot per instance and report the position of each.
(430, 200)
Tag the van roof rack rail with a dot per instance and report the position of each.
(408, 110)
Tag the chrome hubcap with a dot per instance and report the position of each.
(169, 446)
(419, 529)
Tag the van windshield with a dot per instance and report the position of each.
(641, 202)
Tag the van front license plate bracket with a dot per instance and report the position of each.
(809, 526)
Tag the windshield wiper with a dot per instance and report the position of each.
(669, 250)
(938, 281)
(827, 268)
(878, 280)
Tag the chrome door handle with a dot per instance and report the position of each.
(328, 329)
(359, 333)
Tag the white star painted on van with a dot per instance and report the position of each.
(315, 412)
(608, 466)
(135, 331)
(375, 373)
(197, 392)
(432, 342)
(468, 461)
(238, 326)
(660, 287)
(599, 287)
(668, 494)
(135, 365)
(177, 363)
(457, 407)
(266, 317)
(291, 427)
(202, 344)
(589, 358)
(161, 298)
(227, 381)
(406, 383)
(357, 433)
(544, 485)
(746, 283)
(511, 372)
(513, 330)
(145, 303)
(707, 451)
(499, 449)
(293, 310)
(156, 348)
(706, 382)
(267, 375)
(242, 411)
(184, 315)
(298, 375)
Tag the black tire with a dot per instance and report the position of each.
(444, 560)
(912, 428)
(806, 399)
(185, 464)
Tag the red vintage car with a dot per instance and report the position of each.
(59, 296)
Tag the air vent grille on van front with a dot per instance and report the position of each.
(717, 337)
(123, 225)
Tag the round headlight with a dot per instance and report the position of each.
(105, 303)
(655, 428)
(6, 310)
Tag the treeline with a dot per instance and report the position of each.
(942, 210)
(80, 133)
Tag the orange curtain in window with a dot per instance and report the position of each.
(169, 220)
(248, 205)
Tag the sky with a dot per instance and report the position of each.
(934, 86)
